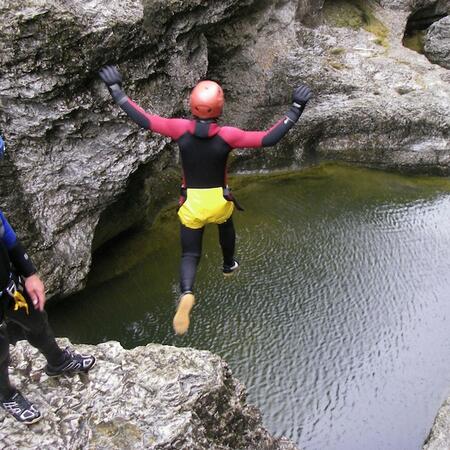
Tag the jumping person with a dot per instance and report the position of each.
(204, 148)
(22, 300)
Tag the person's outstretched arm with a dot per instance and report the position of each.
(172, 128)
(23, 264)
(236, 137)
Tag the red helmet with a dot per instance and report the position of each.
(206, 100)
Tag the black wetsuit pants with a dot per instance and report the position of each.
(191, 250)
(35, 329)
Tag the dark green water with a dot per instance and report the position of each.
(338, 322)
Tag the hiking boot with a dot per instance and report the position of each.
(181, 318)
(230, 270)
(73, 363)
(21, 409)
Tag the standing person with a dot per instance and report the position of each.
(22, 300)
(204, 148)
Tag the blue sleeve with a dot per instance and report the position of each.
(17, 253)
(8, 236)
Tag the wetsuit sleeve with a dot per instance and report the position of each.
(236, 137)
(173, 128)
(16, 250)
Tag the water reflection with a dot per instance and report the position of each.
(338, 320)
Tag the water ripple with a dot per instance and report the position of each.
(338, 320)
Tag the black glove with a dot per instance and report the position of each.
(110, 76)
(113, 80)
(301, 96)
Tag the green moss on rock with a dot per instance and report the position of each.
(337, 51)
(355, 14)
(415, 41)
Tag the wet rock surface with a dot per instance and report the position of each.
(152, 397)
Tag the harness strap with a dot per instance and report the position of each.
(16, 295)
(183, 196)
(230, 197)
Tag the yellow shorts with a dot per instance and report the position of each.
(203, 206)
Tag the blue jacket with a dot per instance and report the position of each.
(7, 234)
(12, 254)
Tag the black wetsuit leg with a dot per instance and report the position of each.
(6, 389)
(227, 239)
(191, 250)
(37, 331)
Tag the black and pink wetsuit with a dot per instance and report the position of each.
(204, 145)
(204, 149)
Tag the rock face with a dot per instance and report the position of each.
(439, 438)
(153, 397)
(78, 172)
(70, 153)
(437, 42)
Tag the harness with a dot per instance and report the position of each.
(230, 197)
(13, 293)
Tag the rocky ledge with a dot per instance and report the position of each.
(152, 397)
(439, 438)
